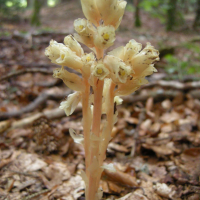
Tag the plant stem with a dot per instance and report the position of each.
(87, 120)
(94, 168)
(109, 125)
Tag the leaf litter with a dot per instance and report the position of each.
(155, 146)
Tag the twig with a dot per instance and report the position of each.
(26, 70)
(36, 194)
(159, 95)
(174, 85)
(33, 105)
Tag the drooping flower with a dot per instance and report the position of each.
(141, 62)
(71, 103)
(119, 71)
(111, 11)
(72, 80)
(90, 11)
(130, 86)
(85, 32)
(72, 43)
(84, 27)
(62, 55)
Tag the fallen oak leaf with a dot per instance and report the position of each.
(119, 178)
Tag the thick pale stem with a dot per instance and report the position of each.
(94, 179)
(109, 125)
(87, 121)
(100, 53)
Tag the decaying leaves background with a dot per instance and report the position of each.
(156, 142)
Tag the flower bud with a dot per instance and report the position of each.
(111, 11)
(71, 103)
(71, 80)
(105, 37)
(119, 70)
(72, 43)
(90, 11)
(99, 70)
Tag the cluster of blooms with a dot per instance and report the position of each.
(125, 66)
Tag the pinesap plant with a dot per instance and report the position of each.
(103, 79)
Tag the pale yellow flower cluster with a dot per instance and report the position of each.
(126, 66)
(121, 72)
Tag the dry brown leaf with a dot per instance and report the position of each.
(119, 177)
(135, 196)
(149, 104)
(114, 188)
(162, 150)
(117, 147)
(4, 125)
(167, 128)
(146, 124)
(190, 162)
(155, 128)
(170, 117)
(166, 104)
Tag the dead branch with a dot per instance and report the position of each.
(26, 70)
(159, 95)
(174, 85)
(33, 105)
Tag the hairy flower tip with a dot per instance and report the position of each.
(99, 70)
(105, 37)
(110, 167)
(76, 137)
(131, 49)
(63, 55)
(71, 103)
(119, 70)
(142, 63)
(87, 60)
(71, 80)
(72, 43)
(53, 50)
(90, 11)
(111, 11)
(84, 27)
(126, 53)
(130, 86)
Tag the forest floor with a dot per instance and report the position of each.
(156, 141)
